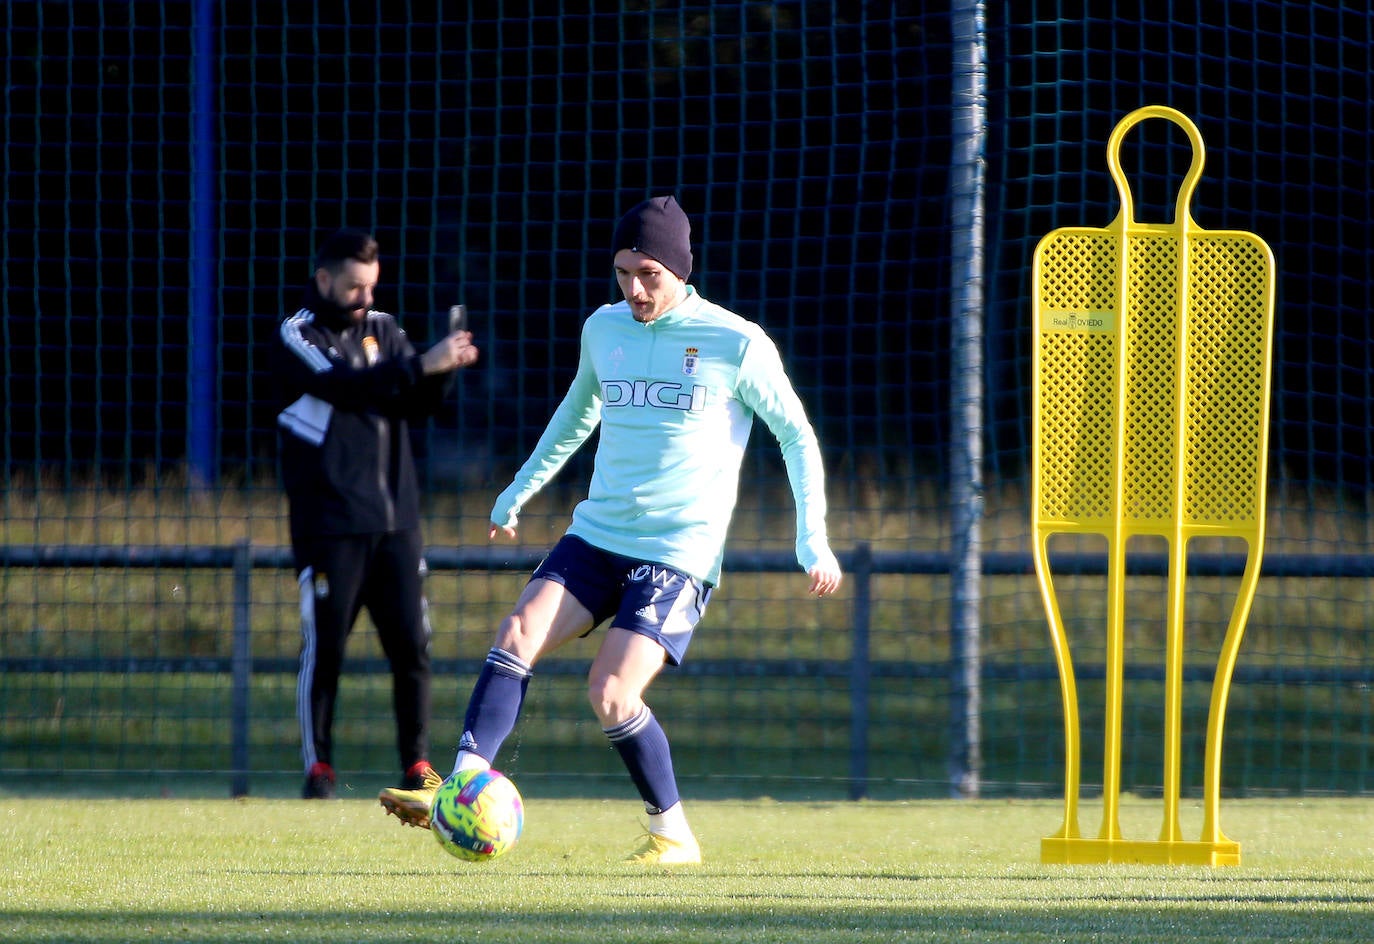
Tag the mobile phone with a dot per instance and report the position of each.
(457, 319)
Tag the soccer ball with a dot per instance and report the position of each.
(477, 815)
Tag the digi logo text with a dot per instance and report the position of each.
(663, 394)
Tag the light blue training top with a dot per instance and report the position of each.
(675, 399)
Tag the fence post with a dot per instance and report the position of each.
(202, 408)
(967, 160)
(241, 668)
(860, 670)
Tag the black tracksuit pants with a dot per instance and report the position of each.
(339, 576)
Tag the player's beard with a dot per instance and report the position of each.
(653, 307)
(644, 312)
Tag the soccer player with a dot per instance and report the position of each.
(674, 381)
(349, 380)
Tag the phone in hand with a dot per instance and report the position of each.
(457, 319)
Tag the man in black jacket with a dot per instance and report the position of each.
(350, 380)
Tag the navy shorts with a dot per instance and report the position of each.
(645, 598)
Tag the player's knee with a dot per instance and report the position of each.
(612, 700)
(514, 635)
(525, 639)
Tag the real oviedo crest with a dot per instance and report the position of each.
(689, 362)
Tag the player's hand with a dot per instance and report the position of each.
(454, 351)
(508, 532)
(825, 579)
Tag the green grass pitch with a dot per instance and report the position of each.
(792, 872)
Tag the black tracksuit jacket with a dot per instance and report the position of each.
(348, 393)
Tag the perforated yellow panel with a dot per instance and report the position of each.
(1076, 419)
(1228, 379)
(1226, 382)
(1151, 395)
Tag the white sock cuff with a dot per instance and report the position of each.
(628, 729)
(467, 760)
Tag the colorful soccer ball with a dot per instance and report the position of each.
(477, 815)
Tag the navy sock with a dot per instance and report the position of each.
(495, 703)
(643, 747)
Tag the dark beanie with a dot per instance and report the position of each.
(657, 228)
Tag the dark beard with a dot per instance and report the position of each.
(328, 312)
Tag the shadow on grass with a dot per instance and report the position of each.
(870, 912)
